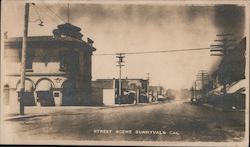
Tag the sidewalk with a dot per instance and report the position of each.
(18, 117)
(36, 111)
(221, 109)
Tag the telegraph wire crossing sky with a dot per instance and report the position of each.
(152, 52)
(148, 34)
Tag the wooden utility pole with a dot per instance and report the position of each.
(202, 76)
(195, 89)
(148, 86)
(120, 61)
(192, 92)
(223, 49)
(68, 12)
(23, 62)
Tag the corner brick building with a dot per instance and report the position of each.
(58, 69)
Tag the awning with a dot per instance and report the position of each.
(127, 92)
(233, 88)
(131, 91)
(240, 85)
(216, 91)
(161, 96)
(44, 85)
(28, 86)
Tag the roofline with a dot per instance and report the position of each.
(14, 40)
(124, 79)
(42, 38)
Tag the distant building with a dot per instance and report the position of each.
(133, 91)
(156, 91)
(58, 69)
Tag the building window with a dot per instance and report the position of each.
(29, 59)
(56, 94)
(87, 66)
(69, 61)
(28, 62)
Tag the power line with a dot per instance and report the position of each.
(53, 12)
(47, 13)
(151, 52)
(39, 17)
(35, 8)
(147, 52)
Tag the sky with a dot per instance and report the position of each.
(131, 27)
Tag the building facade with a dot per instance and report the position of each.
(58, 69)
(156, 92)
(132, 91)
(229, 80)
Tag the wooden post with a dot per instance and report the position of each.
(23, 62)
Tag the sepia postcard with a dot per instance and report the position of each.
(125, 72)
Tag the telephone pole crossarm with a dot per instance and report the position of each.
(120, 57)
(224, 48)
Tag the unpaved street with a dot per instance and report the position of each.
(175, 121)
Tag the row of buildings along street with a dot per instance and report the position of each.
(225, 87)
(58, 73)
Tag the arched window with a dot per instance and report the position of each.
(28, 95)
(6, 92)
(29, 86)
(45, 93)
(44, 85)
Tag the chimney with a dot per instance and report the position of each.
(68, 30)
(90, 41)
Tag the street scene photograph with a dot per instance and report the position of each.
(150, 73)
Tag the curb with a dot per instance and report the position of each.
(212, 107)
(127, 105)
(18, 117)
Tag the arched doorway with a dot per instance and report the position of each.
(45, 93)
(28, 95)
(68, 93)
